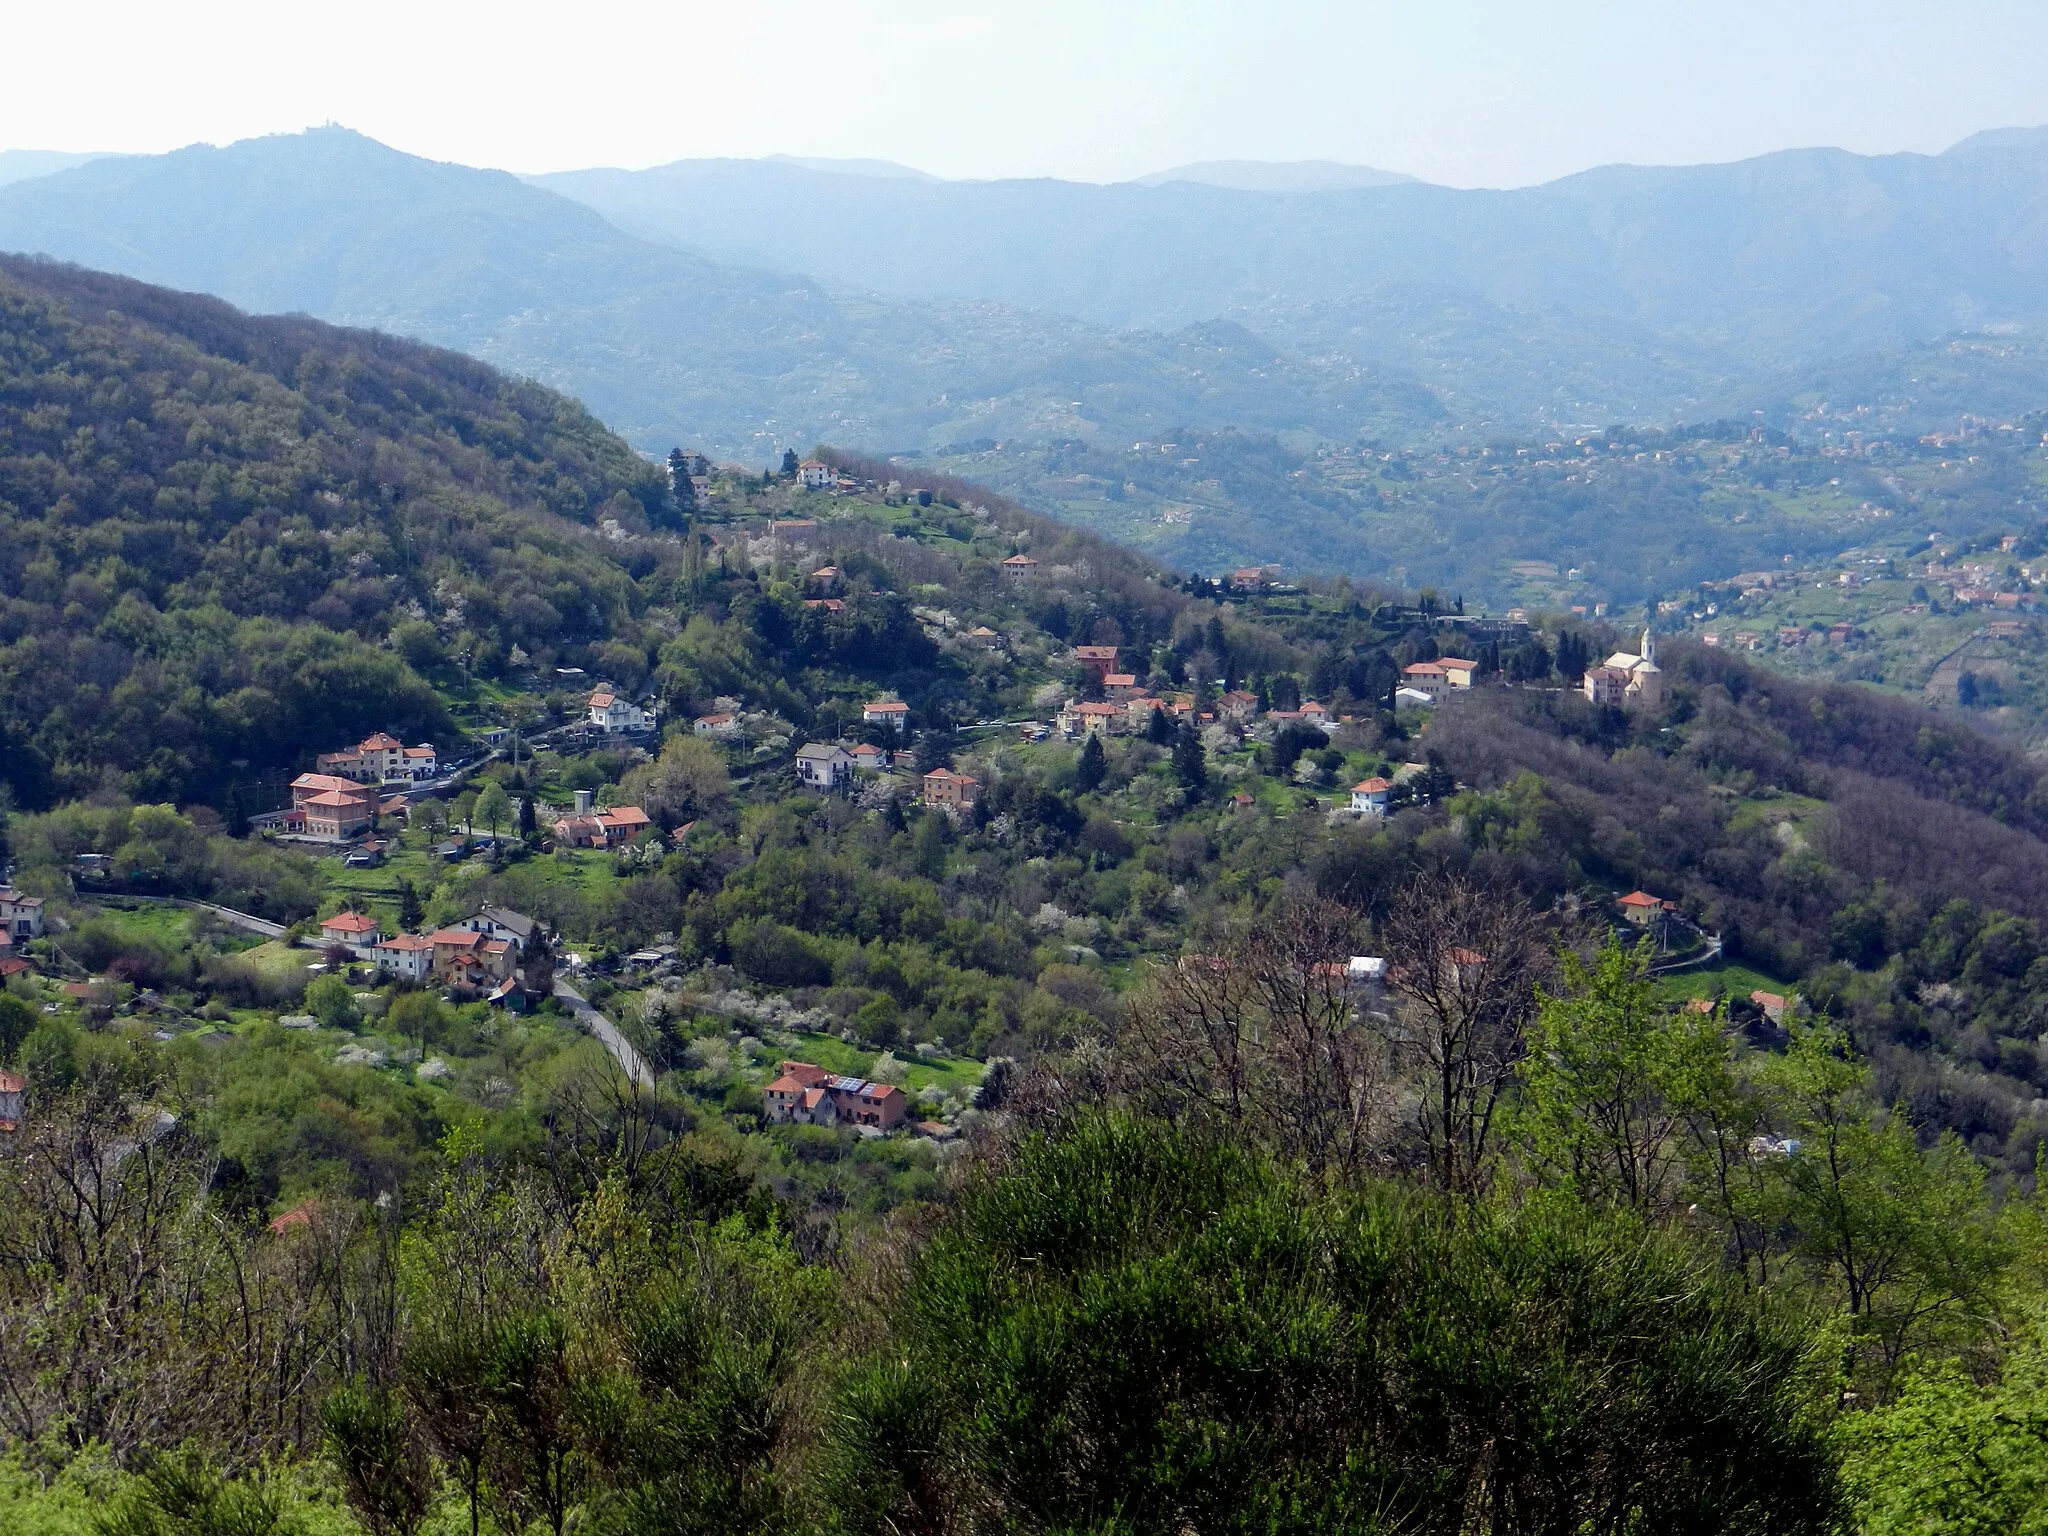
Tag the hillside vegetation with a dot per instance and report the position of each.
(1728, 1221)
(221, 538)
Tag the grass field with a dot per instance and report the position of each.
(160, 924)
(1724, 980)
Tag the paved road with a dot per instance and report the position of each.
(630, 1061)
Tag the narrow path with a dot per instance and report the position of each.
(1712, 953)
(630, 1061)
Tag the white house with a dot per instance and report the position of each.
(1413, 698)
(356, 929)
(404, 955)
(822, 765)
(816, 475)
(21, 916)
(501, 923)
(1372, 796)
(893, 713)
(718, 725)
(613, 713)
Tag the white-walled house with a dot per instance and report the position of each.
(1372, 796)
(821, 765)
(613, 713)
(893, 713)
(404, 955)
(21, 916)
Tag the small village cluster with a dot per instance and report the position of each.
(481, 953)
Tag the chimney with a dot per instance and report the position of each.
(584, 800)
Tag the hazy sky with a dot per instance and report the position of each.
(1471, 92)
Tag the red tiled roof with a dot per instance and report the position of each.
(349, 922)
(1374, 786)
(1641, 899)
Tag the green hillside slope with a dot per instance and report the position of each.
(215, 529)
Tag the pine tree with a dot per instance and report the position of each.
(789, 464)
(537, 964)
(528, 826)
(410, 912)
(1090, 771)
(1190, 762)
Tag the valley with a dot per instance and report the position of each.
(639, 894)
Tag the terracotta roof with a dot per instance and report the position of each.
(1641, 899)
(406, 941)
(1020, 560)
(334, 799)
(350, 922)
(603, 699)
(624, 816)
(1373, 786)
(461, 938)
(1422, 669)
(379, 743)
(1119, 679)
(329, 781)
(1447, 662)
(886, 707)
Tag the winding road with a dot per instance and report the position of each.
(630, 1061)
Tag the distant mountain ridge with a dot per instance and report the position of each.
(23, 164)
(665, 345)
(1623, 292)
(1275, 175)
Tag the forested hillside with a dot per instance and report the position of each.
(1311, 1106)
(222, 537)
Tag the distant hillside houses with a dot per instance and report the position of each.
(381, 759)
(482, 952)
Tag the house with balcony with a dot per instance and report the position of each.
(823, 765)
(21, 916)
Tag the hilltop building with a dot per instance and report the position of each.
(1628, 679)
